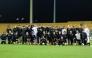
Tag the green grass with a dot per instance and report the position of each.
(37, 51)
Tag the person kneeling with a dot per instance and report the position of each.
(43, 41)
(61, 41)
(77, 38)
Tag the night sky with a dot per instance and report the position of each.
(10, 10)
(70, 10)
(66, 10)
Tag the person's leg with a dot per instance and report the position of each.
(45, 42)
(79, 42)
(82, 41)
(71, 41)
(38, 39)
(8, 41)
(74, 41)
(67, 41)
(4, 42)
(88, 41)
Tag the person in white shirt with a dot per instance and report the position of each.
(35, 32)
(86, 30)
(64, 30)
(77, 38)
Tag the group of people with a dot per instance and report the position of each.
(47, 35)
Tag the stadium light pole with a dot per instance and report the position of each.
(54, 15)
(31, 11)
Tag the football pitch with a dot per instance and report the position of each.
(38, 51)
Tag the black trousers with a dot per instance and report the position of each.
(3, 42)
(9, 40)
(41, 42)
(60, 42)
(70, 41)
(79, 41)
(83, 40)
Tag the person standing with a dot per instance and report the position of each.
(77, 38)
(9, 35)
(86, 30)
(35, 32)
(84, 38)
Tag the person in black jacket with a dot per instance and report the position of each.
(15, 29)
(23, 33)
(84, 38)
(3, 38)
(43, 41)
(80, 29)
(27, 38)
(9, 35)
(39, 34)
(32, 38)
(71, 37)
(8, 29)
(15, 38)
(54, 38)
(65, 37)
(49, 38)
(61, 41)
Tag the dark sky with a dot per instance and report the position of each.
(12, 9)
(43, 11)
(66, 10)
(74, 10)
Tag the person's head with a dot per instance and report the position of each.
(26, 33)
(34, 25)
(59, 32)
(9, 31)
(40, 29)
(61, 37)
(53, 32)
(42, 36)
(26, 25)
(83, 31)
(85, 26)
(64, 32)
(43, 32)
(16, 33)
(77, 31)
(48, 32)
(70, 31)
(15, 26)
(80, 27)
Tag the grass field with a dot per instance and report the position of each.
(37, 51)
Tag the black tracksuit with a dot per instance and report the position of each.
(83, 38)
(43, 40)
(26, 37)
(53, 38)
(71, 37)
(3, 38)
(65, 37)
(48, 36)
(15, 37)
(10, 36)
(60, 41)
(32, 38)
